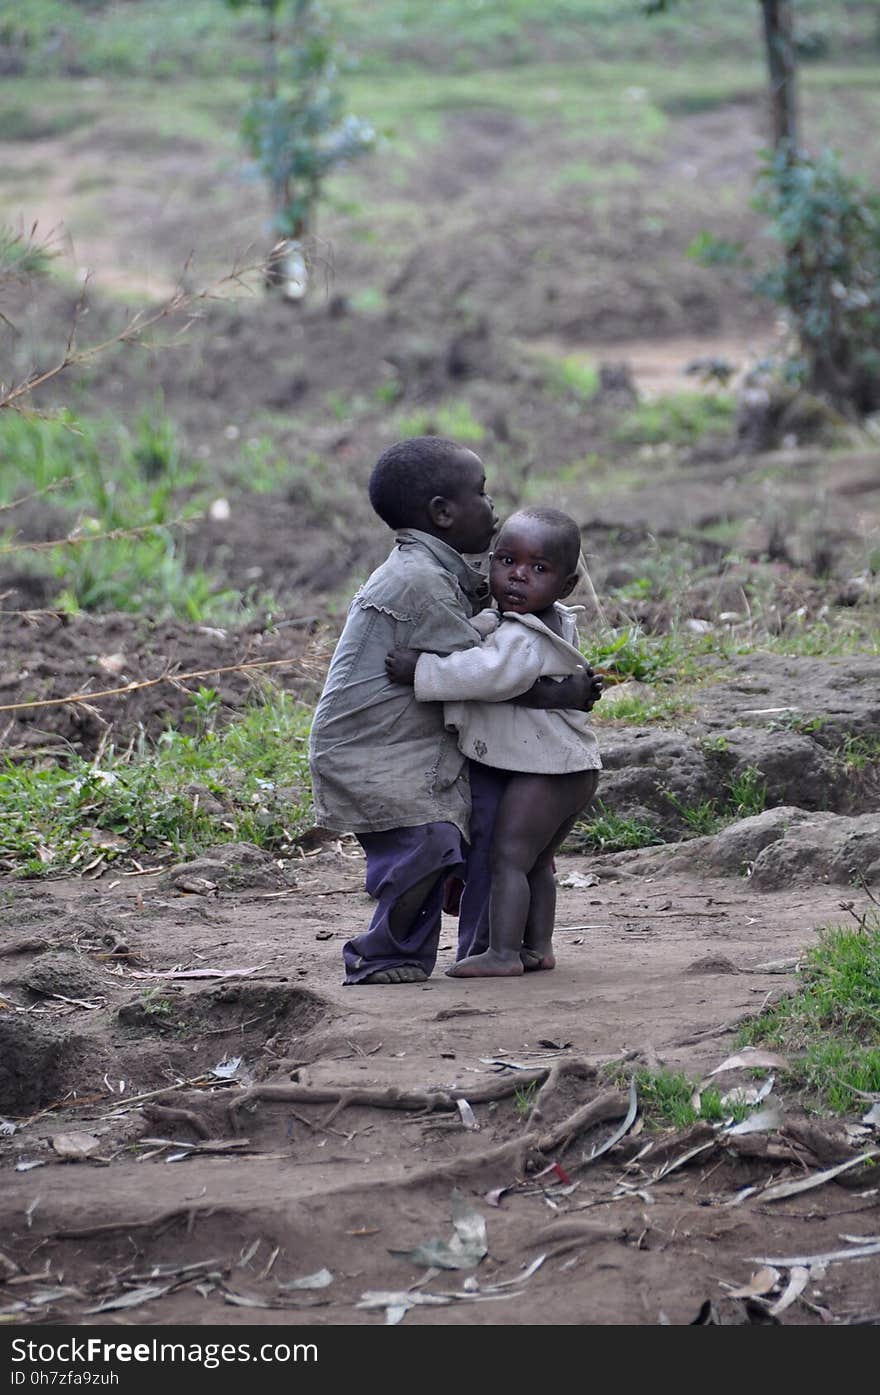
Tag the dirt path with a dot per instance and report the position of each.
(651, 970)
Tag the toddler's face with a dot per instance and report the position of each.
(528, 572)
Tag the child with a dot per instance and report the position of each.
(383, 765)
(553, 756)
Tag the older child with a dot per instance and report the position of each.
(553, 756)
(383, 765)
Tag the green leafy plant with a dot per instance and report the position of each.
(610, 832)
(524, 1098)
(747, 793)
(296, 128)
(670, 1099)
(155, 1004)
(830, 1025)
(828, 277)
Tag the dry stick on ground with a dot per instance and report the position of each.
(180, 302)
(173, 678)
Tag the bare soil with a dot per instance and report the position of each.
(654, 969)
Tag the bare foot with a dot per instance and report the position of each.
(407, 973)
(488, 965)
(532, 960)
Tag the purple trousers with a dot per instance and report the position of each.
(401, 858)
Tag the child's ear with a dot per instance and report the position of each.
(569, 584)
(439, 511)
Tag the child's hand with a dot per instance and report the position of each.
(590, 688)
(400, 665)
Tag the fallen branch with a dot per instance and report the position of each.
(132, 333)
(37, 493)
(112, 535)
(173, 678)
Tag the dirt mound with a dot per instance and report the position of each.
(53, 656)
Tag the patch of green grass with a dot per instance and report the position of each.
(669, 1099)
(745, 796)
(746, 793)
(155, 1004)
(453, 419)
(701, 819)
(610, 832)
(575, 373)
(25, 123)
(679, 419)
(630, 653)
(55, 820)
(830, 1025)
(112, 480)
(638, 711)
(524, 1098)
(858, 752)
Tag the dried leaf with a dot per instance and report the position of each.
(467, 1114)
(751, 1056)
(763, 1121)
(398, 1304)
(813, 1261)
(818, 1179)
(227, 1068)
(578, 880)
(75, 1145)
(762, 1281)
(619, 1132)
(133, 1299)
(797, 1282)
(466, 1248)
(322, 1278)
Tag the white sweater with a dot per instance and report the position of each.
(476, 686)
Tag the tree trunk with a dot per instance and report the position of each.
(779, 46)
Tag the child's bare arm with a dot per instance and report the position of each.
(400, 665)
(581, 691)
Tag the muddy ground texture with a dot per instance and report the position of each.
(197, 1116)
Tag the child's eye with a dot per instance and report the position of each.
(539, 567)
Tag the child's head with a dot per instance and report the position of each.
(436, 486)
(535, 561)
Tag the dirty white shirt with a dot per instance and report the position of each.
(477, 684)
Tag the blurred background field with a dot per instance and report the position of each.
(511, 265)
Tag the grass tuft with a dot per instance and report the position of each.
(832, 1019)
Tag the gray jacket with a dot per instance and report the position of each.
(379, 758)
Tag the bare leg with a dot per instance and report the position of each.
(537, 950)
(535, 813)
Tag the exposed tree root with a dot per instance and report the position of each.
(531, 1148)
(389, 1097)
(568, 1068)
(166, 1114)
